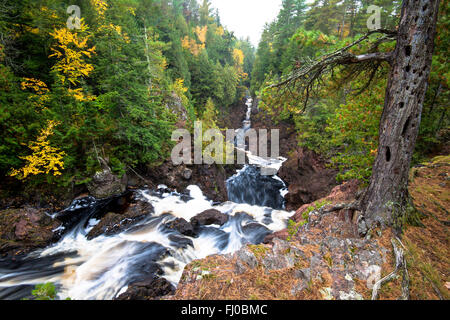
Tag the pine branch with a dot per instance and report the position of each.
(307, 77)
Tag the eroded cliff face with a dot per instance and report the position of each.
(304, 172)
(25, 229)
(210, 178)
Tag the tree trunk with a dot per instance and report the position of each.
(387, 198)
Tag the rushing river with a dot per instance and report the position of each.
(103, 267)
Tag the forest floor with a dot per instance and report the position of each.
(326, 259)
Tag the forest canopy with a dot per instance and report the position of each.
(108, 82)
(338, 113)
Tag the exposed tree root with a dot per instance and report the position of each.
(441, 207)
(436, 289)
(342, 206)
(400, 266)
(431, 214)
(412, 214)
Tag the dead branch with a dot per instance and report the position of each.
(306, 78)
(339, 57)
(400, 265)
(436, 289)
(138, 175)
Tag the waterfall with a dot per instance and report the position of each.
(103, 267)
(249, 185)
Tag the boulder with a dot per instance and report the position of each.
(105, 184)
(187, 174)
(115, 222)
(282, 234)
(247, 257)
(175, 104)
(148, 290)
(210, 178)
(182, 226)
(341, 193)
(209, 217)
(25, 229)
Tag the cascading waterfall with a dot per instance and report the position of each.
(103, 267)
(249, 185)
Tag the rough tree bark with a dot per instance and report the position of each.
(387, 198)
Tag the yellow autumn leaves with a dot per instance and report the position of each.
(40, 89)
(192, 45)
(201, 33)
(44, 159)
(197, 46)
(71, 50)
(100, 7)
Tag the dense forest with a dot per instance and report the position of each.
(111, 88)
(115, 87)
(341, 117)
(355, 207)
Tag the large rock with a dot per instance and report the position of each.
(209, 217)
(210, 178)
(104, 184)
(187, 174)
(147, 290)
(25, 229)
(182, 226)
(282, 234)
(117, 221)
(307, 176)
(341, 193)
(175, 104)
(321, 262)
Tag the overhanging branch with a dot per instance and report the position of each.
(306, 77)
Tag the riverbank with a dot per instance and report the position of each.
(327, 258)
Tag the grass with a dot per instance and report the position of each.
(427, 248)
(259, 251)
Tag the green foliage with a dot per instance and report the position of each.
(45, 291)
(354, 133)
(19, 121)
(293, 226)
(122, 100)
(316, 206)
(340, 120)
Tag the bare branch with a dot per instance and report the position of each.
(306, 78)
(400, 265)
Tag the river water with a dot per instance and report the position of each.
(102, 268)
